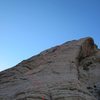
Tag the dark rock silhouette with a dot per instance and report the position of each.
(70, 71)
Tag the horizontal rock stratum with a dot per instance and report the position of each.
(70, 71)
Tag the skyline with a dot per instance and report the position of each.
(27, 27)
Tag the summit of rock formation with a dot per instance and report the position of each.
(70, 71)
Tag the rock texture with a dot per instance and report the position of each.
(70, 71)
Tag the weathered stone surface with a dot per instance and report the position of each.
(70, 71)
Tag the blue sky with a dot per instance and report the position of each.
(28, 27)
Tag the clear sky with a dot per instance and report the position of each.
(28, 27)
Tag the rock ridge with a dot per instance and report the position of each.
(70, 71)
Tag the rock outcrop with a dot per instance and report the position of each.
(70, 71)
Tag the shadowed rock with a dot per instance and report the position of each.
(70, 71)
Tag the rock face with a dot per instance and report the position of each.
(70, 71)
